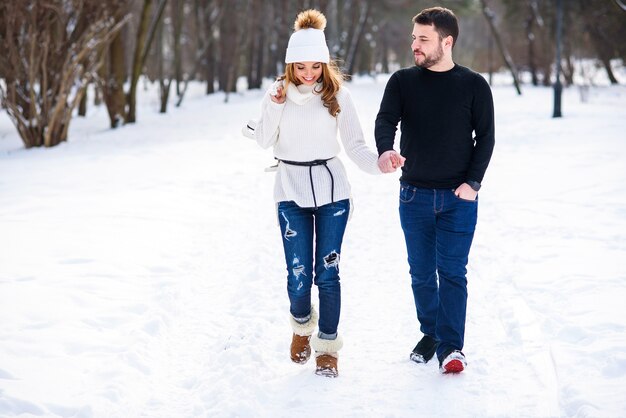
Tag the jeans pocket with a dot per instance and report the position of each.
(407, 193)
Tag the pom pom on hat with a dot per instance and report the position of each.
(310, 19)
(308, 42)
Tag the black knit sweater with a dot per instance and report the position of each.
(447, 125)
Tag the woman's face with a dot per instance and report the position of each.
(308, 73)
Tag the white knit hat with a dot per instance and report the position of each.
(307, 45)
(308, 42)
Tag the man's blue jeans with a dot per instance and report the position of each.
(438, 229)
(312, 240)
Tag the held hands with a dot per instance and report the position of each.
(389, 161)
(465, 192)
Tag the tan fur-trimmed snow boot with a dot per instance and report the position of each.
(326, 356)
(300, 347)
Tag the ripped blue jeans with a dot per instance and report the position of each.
(312, 240)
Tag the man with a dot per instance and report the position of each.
(440, 105)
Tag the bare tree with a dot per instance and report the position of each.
(256, 43)
(231, 38)
(51, 51)
(603, 20)
(177, 18)
(112, 81)
(164, 75)
(489, 15)
(207, 15)
(210, 13)
(364, 8)
(533, 18)
(145, 35)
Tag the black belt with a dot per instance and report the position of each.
(310, 164)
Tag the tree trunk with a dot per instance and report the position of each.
(547, 72)
(351, 11)
(256, 44)
(82, 106)
(606, 62)
(530, 37)
(210, 66)
(598, 40)
(284, 30)
(142, 32)
(384, 53)
(145, 35)
(602, 41)
(114, 84)
(228, 48)
(568, 71)
(164, 82)
(490, 59)
(357, 36)
(97, 96)
(489, 15)
(177, 19)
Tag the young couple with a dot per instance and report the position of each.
(446, 115)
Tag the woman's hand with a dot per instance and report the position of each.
(389, 161)
(280, 96)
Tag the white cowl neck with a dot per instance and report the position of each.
(302, 94)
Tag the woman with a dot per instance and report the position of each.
(301, 115)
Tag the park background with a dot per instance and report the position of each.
(140, 263)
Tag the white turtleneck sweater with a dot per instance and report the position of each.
(301, 129)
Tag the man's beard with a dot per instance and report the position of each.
(430, 60)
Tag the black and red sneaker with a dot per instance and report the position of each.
(453, 362)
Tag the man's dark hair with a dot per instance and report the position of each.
(442, 19)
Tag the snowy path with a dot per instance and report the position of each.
(141, 274)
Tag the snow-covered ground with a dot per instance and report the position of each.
(141, 272)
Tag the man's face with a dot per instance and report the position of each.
(427, 46)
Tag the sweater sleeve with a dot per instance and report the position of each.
(352, 134)
(266, 132)
(388, 116)
(484, 128)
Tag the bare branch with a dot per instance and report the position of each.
(51, 49)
